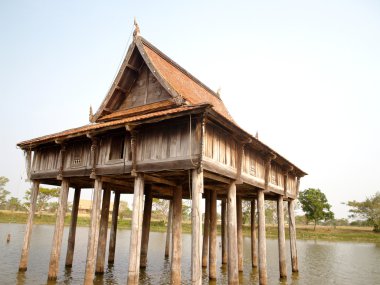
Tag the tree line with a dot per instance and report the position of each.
(313, 203)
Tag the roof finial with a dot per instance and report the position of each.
(257, 135)
(219, 91)
(136, 32)
(90, 115)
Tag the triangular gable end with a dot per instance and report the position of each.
(137, 88)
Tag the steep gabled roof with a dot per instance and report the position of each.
(183, 88)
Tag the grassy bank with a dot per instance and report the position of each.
(348, 233)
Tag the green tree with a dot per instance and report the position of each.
(368, 209)
(124, 211)
(186, 210)
(160, 209)
(3, 193)
(14, 204)
(314, 204)
(45, 195)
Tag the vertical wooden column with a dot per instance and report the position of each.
(58, 231)
(73, 228)
(146, 227)
(206, 229)
(262, 238)
(176, 236)
(167, 243)
(213, 245)
(233, 276)
(113, 231)
(93, 232)
(253, 234)
(102, 242)
(239, 217)
(196, 227)
(281, 237)
(135, 241)
(292, 235)
(224, 232)
(29, 225)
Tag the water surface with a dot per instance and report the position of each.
(320, 262)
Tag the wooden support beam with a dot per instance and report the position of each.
(196, 227)
(134, 68)
(160, 180)
(102, 242)
(292, 235)
(253, 234)
(135, 240)
(117, 182)
(93, 233)
(113, 231)
(170, 215)
(72, 229)
(224, 232)
(216, 177)
(233, 276)
(262, 239)
(212, 239)
(239, 218)
(206, 229)
(121, 89)
(146, 227)
(29, 225)
(281, 236)
(58, 231)
(176, 237)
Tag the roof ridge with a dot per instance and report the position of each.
(179, 67)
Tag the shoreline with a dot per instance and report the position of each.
(323, 233)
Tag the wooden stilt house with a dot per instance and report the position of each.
(160, 132)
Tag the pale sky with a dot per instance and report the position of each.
(304, 74)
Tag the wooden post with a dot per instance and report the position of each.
(115, 214)
(233, 276)
(101, 254)
(135, 241)
(281, 237)
(93, 232)
(224, 232)
(196, 227)
(292, 235)
(72, 230)
(206, 229)
(262, 239)
(58, 231)
(253, 234)
(176, 236)
(146, 227)
(213, 246)
(167, 243)
(239, 217)
(23, 266)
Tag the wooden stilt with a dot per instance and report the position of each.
(224, 232)
(146, 227)
(253, 234)
(233, 276)
(93, 232)
(135, 241)
(72, 230)
(239, 217)
(167, 243)
(281, 237)
(292, 235)
(177, 236)
(196, 227)
(113, 231)
(206, 229)
(262, 239)
(213, 245)
(102, 242)
(58, 231)
(29, 225)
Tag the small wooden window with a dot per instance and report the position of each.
(77, 159)
(117, 147)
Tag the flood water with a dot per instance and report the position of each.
(320, 262)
